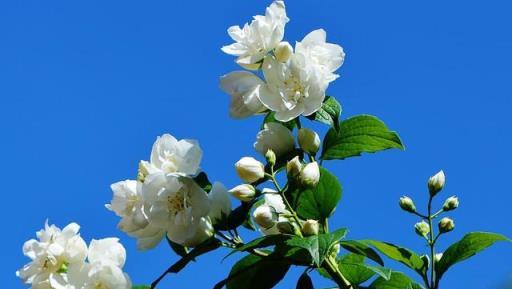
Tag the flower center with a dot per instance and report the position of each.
(293, 89)
(178, 201)
(100, 285)
(169, 162)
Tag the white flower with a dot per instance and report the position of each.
(269, 213)
(128, 204)
(298, 86)
(310, 174)
(255, 40)
(283, 51)
(249, 169)
(54, 250)
(220, 205)
(276, 137)
(244, 88)
(293, 167)
(436, 183)
(104, 270)
(172, 156)
(310, 227)
(177, 205)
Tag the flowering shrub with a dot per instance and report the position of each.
(172, 199)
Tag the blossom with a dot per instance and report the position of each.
(268, 214)
(297, 87)
(262, 35)
(177, 205)
(179, 157)
(309, 140)
(249, 169)
(436, 183)
(220, 205)
(106, 258)
(243, 192)
(244, 88)
(128, 203)
(51, 254)
(276, 137)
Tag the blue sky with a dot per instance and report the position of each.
(86, 86)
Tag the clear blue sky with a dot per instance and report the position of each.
(86, 86)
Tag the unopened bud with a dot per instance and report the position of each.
(446, 225)
(285, 227)
(335, 250)
(451, 204)
(310, 174)
(436, 183)
(407, 204)
(309, 141)
(293, 167)
(438, 257)
(249, 169)
(422, 228)
(283, 51)
(310, 227)
(271, 157)
(264, 216)
(243, 192)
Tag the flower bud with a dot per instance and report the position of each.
(285, 227)
(451, 204)
(243, 192)
(293, 167)
(283, 51)
(310, 228)
(422, 228)
(271, 157)
(446, 225)
(436, 183)
(249, 169)
(264, 216)
(407, 204)
(309, 141)
(310, 175)
(438, 257)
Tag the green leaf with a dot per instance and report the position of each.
(262, 242)
(329, 113)
(270, 117)
(141, 287)
(201, 249)
(305, 282)
(202, 180)
(255, 272)
(318, 246)
(353, 267)
(318, 203)
(468, 246)
(397, 281)
(357, 135)
(400, 254)
(361, 248)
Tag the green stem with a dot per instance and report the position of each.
(332, 268)
(286, 203)
(431, 244)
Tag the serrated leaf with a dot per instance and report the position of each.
(400, 254)
(201, 249)
(304, 282)
(361, 248)
(356, 271)
(318, 203)
(329, 113)
(357, 135)
(468, 246)
(255, 272)
(396, 281)
(318, 246)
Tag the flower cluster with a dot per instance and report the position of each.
(60, 259)
(295, 79)
(165, 200)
